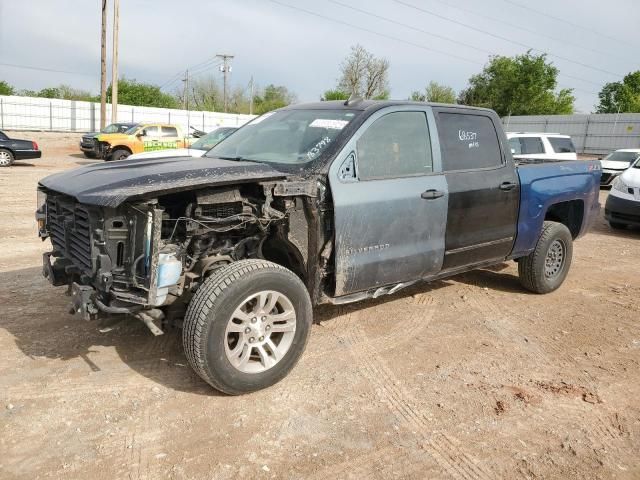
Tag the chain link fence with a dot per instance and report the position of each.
(30, 113)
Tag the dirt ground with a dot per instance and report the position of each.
(468, 378)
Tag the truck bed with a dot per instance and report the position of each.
(545, 182)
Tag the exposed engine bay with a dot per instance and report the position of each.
(147, 258)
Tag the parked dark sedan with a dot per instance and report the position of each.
(12, 149)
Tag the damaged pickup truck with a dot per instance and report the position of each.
(332, 202)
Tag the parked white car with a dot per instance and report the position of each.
(617, 162)
(550, 146)
(196, 150)
(623, 203)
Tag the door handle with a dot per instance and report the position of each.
(506, 186)
(431, 194)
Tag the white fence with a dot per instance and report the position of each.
(30, 113)
(596, 134)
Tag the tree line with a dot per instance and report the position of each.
(519, 85)
(204, 94)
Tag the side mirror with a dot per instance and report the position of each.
(141, 133)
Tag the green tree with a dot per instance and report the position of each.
(520, 85)
(334, 94)
(67, 92)
(621, 96)
(132, 92)
(435, 92)
(271, 98)
(6, 89)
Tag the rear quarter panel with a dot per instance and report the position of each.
(544, 185)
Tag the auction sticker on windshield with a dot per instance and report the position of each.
(327, 123)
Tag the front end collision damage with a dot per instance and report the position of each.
(147, 258)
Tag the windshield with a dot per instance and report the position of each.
(291, 137)
(116, 128)
(132, 130)
(626, 157)
(211, 139)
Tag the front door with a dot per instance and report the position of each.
(390, 202)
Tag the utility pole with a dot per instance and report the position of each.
(251, 98)
(185, 91)
(225, 68)
(103, 67)
(114, 62)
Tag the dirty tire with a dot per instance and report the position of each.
(618, 226)
(89, 154)
(119, 154)
(211, 308)
(531, 268)
(6, 158)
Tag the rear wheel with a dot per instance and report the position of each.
(6, 158)
(119, 154)
(247, 326)
(545, 269)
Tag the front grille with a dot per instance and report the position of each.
(221, 210)
(89, 141)
(69, 227)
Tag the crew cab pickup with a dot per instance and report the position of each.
(143, 137)
(332, 202)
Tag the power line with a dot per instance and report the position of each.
(198, 69)
(350, 25)
(42, 69)
(404, 25)
(500, 37)
(373, 32)
(565, 21)
(530, 30)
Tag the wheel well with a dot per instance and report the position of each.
(121, 147)
(570, 214)
(8, 150)
(280, 251)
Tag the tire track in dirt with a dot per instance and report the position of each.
(597, 430)
(440, 446)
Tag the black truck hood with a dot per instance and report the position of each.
(110, 184)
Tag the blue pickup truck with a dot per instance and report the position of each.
(331, 202)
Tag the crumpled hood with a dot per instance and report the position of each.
(111, 183)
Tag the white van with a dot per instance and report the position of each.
(552, 146)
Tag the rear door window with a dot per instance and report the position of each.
(468, 141)
(395, 145)
(562, 145)
(531, 145)
(514, 144)
(169, 132)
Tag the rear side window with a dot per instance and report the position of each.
(468, 141)
(531, 145)
(395, 145)
(169, 132)
(561, 145)
(514, 144)
(3, 136)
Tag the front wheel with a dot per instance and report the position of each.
(6, 158)
(247, 326)
(544, 269)
(119, 154)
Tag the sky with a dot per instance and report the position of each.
(300, 43)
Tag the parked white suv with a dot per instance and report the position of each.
(553, 146)
(617, 162)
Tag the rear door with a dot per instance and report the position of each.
(390, 201)
(484, 190)
(150, 138)
(170, 138)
